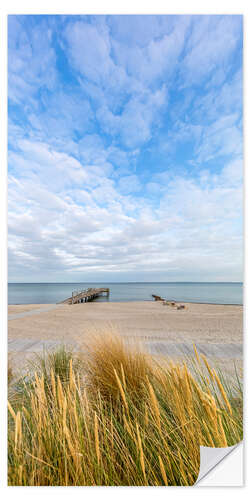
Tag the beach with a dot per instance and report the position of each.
(80, 405)
(216, 330)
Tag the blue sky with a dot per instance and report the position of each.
(125, 148)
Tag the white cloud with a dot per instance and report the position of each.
(136, 30)
(134, 124)
(157, 58)
(129, 184)
(89, 50)
(126, 106)
(211, 43)
(232, 173)
(57, 229)
(31, 60)
(62, 116)
(221, 138)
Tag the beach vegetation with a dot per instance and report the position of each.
(115, 416)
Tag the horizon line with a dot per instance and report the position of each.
(111, 282)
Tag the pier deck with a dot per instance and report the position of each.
(85, 295)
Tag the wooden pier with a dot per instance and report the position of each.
(85, 295)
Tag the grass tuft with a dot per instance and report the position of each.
(117, 418)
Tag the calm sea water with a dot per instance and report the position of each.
(50, 293)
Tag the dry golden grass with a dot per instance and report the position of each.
(116, 417)
(108, 360)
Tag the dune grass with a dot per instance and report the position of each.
(115, 417)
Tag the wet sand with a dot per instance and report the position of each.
(164, 330)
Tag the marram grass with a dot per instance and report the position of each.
(116, 417)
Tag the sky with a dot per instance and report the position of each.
(125, 148)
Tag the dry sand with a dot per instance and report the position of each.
(147, 320)
(215, 329)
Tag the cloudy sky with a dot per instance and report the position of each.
(125, 148)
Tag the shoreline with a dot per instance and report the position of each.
(130, 302)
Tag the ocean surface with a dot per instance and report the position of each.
(51, 293)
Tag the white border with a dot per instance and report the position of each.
(126, 7)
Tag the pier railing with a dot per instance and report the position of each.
(85, 295)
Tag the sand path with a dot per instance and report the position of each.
(31, 312)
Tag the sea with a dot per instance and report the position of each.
(51, 293)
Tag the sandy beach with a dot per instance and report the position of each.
(215, 329)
